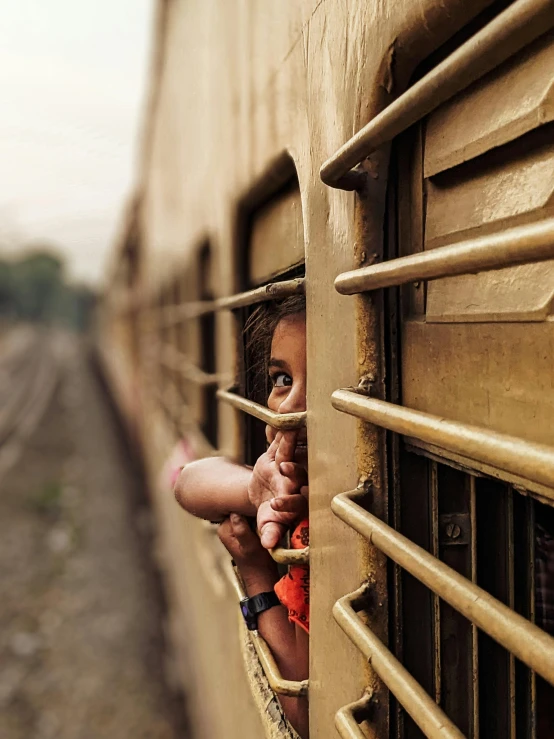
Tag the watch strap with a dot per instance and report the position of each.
(254, 605)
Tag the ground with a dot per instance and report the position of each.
(82, 653)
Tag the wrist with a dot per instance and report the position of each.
(258, 580)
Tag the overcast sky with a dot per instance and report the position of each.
(73, 76)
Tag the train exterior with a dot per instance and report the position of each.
(395, 161)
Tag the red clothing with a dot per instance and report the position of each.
(293, 590)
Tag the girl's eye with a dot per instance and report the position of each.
(281, 379)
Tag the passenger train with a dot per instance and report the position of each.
(394, 162)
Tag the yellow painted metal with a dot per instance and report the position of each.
(526, 641)
(291, 556)
(430, 718)
(528, 460)
(272, 291)
(348, 717)
(180, 363)
(281, 421)
(176, 314)
(276, 681)
(522, 244)
(510, 31)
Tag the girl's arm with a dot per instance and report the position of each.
(214, 487)
(259, 574)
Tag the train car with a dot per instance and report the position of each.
(394, 161)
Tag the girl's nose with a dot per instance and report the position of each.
(295, 402)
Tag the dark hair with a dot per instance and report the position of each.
(259, 330)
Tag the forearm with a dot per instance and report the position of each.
(213, 488)
(281, 638)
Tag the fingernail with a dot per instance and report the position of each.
(235, 518)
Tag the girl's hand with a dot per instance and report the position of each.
(257, 569)
(275, 475)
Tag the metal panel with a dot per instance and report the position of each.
(510, 101)
(509, 32)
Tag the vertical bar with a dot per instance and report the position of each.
(524, 603)
(474, 632)
(544, 609)
(493, 557)
(417, 601)
(434, 489)
(456, 632)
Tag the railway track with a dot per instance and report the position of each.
(29, 374)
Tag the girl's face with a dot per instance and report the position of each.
(287, 372)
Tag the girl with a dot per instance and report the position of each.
(274, 491)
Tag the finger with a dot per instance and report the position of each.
(274, 446)
(295, 472)
(271, 534)
(239, 524)
(305, 491)
(287, 445)
(295, 504)
(225, 530)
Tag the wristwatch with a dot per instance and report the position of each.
(252, 607)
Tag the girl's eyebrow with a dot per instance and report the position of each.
(277, 363)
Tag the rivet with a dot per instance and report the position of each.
(453, 531)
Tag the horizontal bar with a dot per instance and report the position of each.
(291, 556)
(172, 315)
(348, 717)
(280, 421)
(179, 362)
(523, 458)
(276, 681)
(520, 245)
(523, 639)
(273, 291)
(430, 718)
(510, 31)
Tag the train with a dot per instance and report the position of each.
(394, 163)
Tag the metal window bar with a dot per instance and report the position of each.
(273, 291)
(523, 639)
(276, 681)
(283, 422)
(532, 461)
(430, 718)
(176, 314)
(179, 362)
(176, 410)
(280, 421)
(348, 718)
(510, 31)
(522, 244)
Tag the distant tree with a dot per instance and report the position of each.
(34, 289)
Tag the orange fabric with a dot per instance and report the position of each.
(293, 590)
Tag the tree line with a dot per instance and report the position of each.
(34, 288)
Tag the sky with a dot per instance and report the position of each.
(73, 79)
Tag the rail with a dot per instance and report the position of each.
(510, 31)
(523, 244)
(430, 718)
(534, 462)
(527, 642)
(348, 718)
(277, 682)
